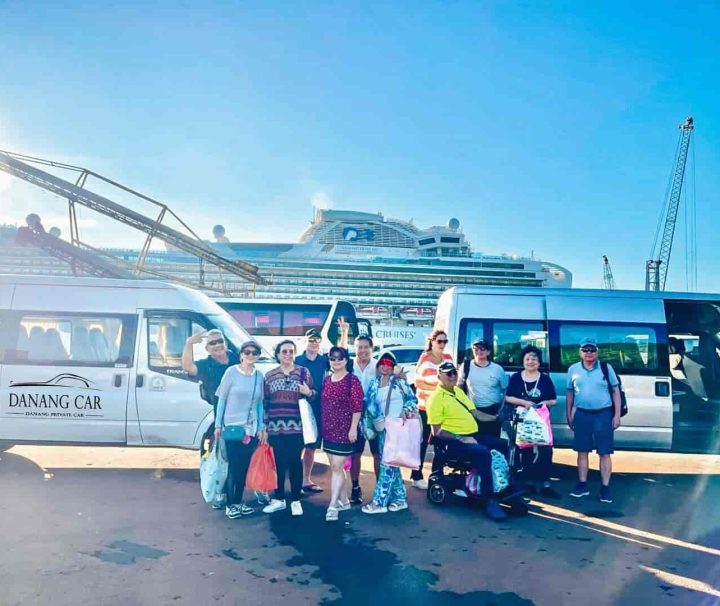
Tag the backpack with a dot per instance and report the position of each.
(623, 397)
(466, 372)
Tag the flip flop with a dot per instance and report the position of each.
(312, 488)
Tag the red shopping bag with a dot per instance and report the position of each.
(262, 473)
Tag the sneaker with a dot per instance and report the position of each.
(371, 508)
(263, 498)
(494, 511)
(356, 495)
(296, 508)
(605, 496)
(549, 492)
(580, 490)
(233, 512)
(420, 484)
(398, 506)
(245, 510)
(275, 505)
(219, 504)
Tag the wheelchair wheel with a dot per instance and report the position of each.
(437, 494)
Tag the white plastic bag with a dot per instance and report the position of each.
(213, 473)
(309, 424)
(533, 431)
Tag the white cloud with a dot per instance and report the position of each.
(322, 200)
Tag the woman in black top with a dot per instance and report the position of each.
(532, 388)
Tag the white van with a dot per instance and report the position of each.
(664, 346)
(98, 361)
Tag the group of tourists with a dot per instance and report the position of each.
(466, 409)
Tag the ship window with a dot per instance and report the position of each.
(426, 241)
(450, 240)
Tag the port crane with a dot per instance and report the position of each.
(608, 279)
(23, 167)
(656, 267)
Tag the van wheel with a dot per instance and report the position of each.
(437, 494)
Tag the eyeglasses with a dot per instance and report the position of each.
(337, 358)
(441, 341)
(588, 349)
(314, 340)
(287, 351)
(216, 342)
(251, 352)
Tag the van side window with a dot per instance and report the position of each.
(626, 347)
(166, 340)
(72, 340)
(509, 339)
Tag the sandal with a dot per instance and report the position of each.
(372, 508)
(343, 506)
(312, 488)
(331, 515)
(398, 506)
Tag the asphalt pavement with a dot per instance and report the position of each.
(107, 526)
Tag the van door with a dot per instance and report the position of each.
(169, 407)
(65, 377)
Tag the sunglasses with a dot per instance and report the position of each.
(251, 352)
(287, 351)
(216, 342)
(337, 358)
(480, 348)
(441, 341)
(452, 373)
(314, 340)
(588, 349)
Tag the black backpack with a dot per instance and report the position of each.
(623, 397)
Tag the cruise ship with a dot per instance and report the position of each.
(390, 269)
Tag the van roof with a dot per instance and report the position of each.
(9, 279)
(576, 292)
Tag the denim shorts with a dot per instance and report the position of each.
(593, 431)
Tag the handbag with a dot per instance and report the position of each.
(534, 430)
(500, 475)
(262, 472)
(308, 421)
(402, 443)
(237, 433)
(213, 473)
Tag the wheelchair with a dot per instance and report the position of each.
(449, 475)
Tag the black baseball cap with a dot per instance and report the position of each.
(313, 332)
(447, 367)
(481, 343)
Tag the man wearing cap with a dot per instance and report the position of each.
(453, 419)
(318, 365)
(485, 383)
(593, 413)
(210, 370)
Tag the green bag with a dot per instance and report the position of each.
(233, 433)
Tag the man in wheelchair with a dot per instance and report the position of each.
(453, 419)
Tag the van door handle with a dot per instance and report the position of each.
(117, 380)
(139, 380)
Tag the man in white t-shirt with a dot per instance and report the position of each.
(485, 383)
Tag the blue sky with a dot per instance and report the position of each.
(543, 126)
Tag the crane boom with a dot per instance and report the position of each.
(657, 267)
(608, 279)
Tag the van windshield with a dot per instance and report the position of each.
(234, 333)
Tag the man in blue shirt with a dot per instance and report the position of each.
(593, 413)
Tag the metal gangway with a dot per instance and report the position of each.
(84, 261)
(21, 166)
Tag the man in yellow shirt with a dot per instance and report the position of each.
(453, 419)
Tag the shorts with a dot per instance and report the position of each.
(337, 448)
(359, 446)
(593, 431)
